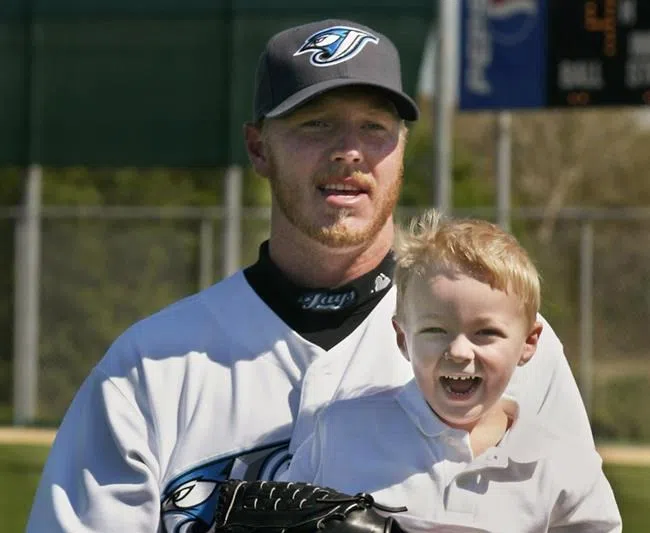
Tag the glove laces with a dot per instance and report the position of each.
(362, 500)
(365, 500)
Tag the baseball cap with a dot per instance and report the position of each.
(305, 61)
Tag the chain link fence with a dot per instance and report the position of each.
(101, 269)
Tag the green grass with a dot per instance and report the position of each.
(631, 485)
(20, 469)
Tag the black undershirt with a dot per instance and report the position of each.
(322, 316)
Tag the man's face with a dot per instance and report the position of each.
(335, 166)
(483, 332)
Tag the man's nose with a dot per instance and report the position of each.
(348, 148)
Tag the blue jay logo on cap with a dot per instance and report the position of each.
(335, 45)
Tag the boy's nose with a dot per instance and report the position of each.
(460, 350)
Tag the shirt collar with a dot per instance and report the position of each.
(417, 409)
(525, 442)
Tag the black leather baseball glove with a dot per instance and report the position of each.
(286, 507)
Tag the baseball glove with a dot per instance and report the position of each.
(286, 507)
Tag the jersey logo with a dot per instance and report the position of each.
(327, 301)
(335, 45)
(188, 502)
(381, 282)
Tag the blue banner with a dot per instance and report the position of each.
(503, 54)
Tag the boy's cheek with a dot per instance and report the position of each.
(426, 353)
(424, 365)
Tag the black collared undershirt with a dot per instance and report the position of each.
(321, 315)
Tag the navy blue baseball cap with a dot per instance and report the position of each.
(305, 61)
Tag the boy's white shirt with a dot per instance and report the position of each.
(392, 445)
(218, 381)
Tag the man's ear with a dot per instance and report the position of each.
(256, 148)
(530, 344)
(401, 339)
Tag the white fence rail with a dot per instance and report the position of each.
(222, 236)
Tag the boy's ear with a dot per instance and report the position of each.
(530, 344)
(256, 149)
(401, 339)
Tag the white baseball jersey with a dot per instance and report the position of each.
(215, 386)
(209, 388)
(533, 481)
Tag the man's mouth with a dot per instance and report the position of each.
(340, 188)
(460, 386)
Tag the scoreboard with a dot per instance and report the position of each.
(554, 53)
(599, 52)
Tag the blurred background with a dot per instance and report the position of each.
(124, 184)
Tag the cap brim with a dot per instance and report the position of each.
(404, 104)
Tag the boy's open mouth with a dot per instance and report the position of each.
(460, 386)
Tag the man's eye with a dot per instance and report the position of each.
(374, 126)
(315, 124)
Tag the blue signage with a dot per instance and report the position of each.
(503, 59)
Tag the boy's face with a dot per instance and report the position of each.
(464, 340)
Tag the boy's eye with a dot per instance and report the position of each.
(433, 330)
(490, 332)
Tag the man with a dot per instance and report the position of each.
(218, 384)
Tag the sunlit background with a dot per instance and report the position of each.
(124, 183)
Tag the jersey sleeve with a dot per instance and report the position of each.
(102, 471)
(586, 502)
(546, 390)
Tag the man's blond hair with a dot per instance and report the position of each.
(476, 248)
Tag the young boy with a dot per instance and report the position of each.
(450, 445)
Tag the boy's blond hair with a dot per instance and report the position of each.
(476, 248)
